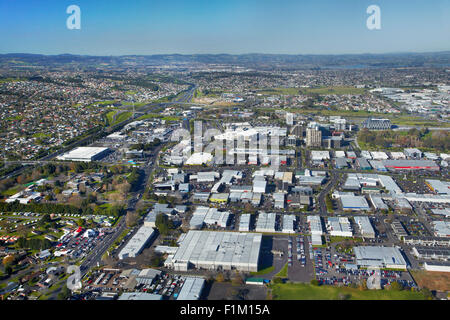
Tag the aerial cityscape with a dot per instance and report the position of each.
(228, 176)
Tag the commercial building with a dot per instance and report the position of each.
(244, 222)
(137, 243)
(214, 250)
(377, 256)
(410, 165)
(140, 296)
(438, 266)
(288, 223)
(340, 163)
(441, 228)
(379, 155)
(432, 253)
(438, 187)
(339, 226)
(412, 153)
(313, 136)
(199, 158)
(192, 288)
(219, 197)
(377, 124)
(363, 164)
(354, 203)
(85, 154)
(147, 276)
(365, 227)
(315, 225)
(266, 222)
(317, 155)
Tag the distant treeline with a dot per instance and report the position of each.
(34, 244)
(41, 208)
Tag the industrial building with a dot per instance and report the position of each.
(140, 296)
(210, 216)
(441, 228)
(436, 253)
(354, 203)
(199, 158)
(244, 222)
(317, 155)
(410, 165)
(438, 266)
(214, 250)
(377, 124)
(365, 227)
(363, 164)
(315, 225)
(137, 243)
(288, 223)
(85, 154)
(266, 222)
(192, 288)
(339, 226)
(381, 257)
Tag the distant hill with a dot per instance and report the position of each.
(262, 61)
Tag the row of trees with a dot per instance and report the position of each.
(439, 140)
(34, 244)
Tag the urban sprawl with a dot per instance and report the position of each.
(187, 181)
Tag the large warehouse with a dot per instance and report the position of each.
(214, 250)
(85, 154)
(377, 256)
(410, 164)
(136, 244)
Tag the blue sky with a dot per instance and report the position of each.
(225, 26)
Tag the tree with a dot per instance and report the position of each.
(65, 293)
(395, 286)
(314, 282)
(220, 277)
(9, 260)
(23, 230)
(131, 218)
(163, 224)
(8, 270)
(237, 279)
(427, 293)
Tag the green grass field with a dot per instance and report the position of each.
(119, 118)
(263, 271)
(301, 291)
(339, 90)
(283, 272)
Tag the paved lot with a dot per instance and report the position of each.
(226, 291)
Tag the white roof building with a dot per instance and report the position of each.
(315, 225)
(214, 250)
(288, 223)
(320, 155)
(365, 226)
(266, 222)
(85, 154)
(137, 243)
(199, 158)
(191, 289)
(339, 226)
(377, 256)
(244, 222)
